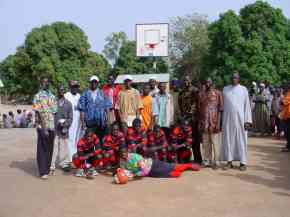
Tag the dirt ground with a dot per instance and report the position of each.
(262, 191)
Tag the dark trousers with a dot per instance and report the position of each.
(287, 132)
(196, 140)
(44, 150)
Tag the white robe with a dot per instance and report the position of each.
(237, 112)
(75, 129)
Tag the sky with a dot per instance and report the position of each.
(99, 18)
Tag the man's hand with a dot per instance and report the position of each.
(46, 132)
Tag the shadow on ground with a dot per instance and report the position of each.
(28, 166)
(272, 162)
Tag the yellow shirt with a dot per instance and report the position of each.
(146, 112)
(128, 103)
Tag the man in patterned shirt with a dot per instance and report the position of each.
(210, 106)
(88, 156)
(180, 148)
(137, 138)
(111, 145)
(157, 144)
(45, 106)
(188, 107)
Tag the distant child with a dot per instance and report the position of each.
(18, 118)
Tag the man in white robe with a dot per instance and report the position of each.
(237, 119)
(75, 128)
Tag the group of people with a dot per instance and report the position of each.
(156, 132)
(22, 119)
(267, 108)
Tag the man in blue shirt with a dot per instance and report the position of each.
(94, 106)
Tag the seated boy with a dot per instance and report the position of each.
(157, 144)
(137, 138)
(181, 143)
(112, 143)
(88, 156)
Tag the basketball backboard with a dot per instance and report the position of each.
(152, 39)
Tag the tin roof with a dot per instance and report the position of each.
(143, 78)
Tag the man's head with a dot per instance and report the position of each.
(115, 129)
(208, 83)
(187, 82)
(162, 88)
(94, 82)
(89, 134)
(262, 87)
(74, 87)
(235, 78)
(45, 83)
(174, 84)
(19, 111)
(153, 83)
(136, 124)
(128, 81)
(111, 80)
(146, 90)
(61, 91)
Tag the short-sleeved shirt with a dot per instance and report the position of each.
(114, 142)
(94, 104)
(45, 104)
(181, 136)
(157, 140)
(85, 146)
(128, 103)
(137, 165)
(136, 138)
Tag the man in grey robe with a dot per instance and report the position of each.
(237, 119)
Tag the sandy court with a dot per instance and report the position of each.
(262, 191)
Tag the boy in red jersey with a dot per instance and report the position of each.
(137, 138)
(88, 156)
(111, 145)
(181, 143)
(157, 144)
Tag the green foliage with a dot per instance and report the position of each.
(60, 51)
(256, 43)
(129, 63)
(189, 44)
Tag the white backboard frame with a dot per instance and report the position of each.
(152, 33)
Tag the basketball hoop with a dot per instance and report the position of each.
(150, 48)
(152, 39)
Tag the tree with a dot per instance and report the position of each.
(113, 45)
(60, 50)
(189, 44)
(256, 43)
(129, 63)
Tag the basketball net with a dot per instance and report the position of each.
(150, 48)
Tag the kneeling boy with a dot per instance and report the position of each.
(88, 156)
